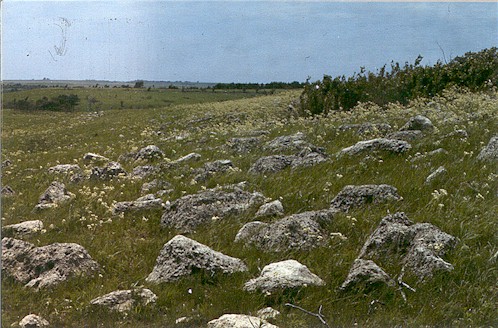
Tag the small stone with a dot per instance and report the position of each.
(440, 171)
(65, 169)
(147, 202)
(490, 152)
(366, 274)
(295, 142)
(33, 321)
(149, 152)
(111, 170)
(211, 168)
(271, 164)
(268, 313)
(125, 300)
(141, 172)
(55, 194)
(94, 158)
(239, 321)
(7, 191)
(283, 275)
(274, 208)
(379, 144)
(192, 157)
(418, 122)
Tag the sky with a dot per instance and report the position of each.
(233, 41)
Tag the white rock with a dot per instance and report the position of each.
(283, 275)
(125, 300)
(33, 321)
(239, 321)
(24, 228)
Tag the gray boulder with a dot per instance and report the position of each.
(283, 275)
(490, 152)
(147, 202)
(365, 274)
(188, 212)
(309, 156)
(243, 145)
(25, 228)
(418, 122)
(44, 266)
(155, 185)
(33, 321)
(239, 321)
(354, 196)
(419, 247)
(125, 300)
(111, 170)
(149, 153)
(212, 168)
(181, 256)
(295, 142)
(379, 144)
(274, 208)
(54, 195)
(271, 164)
(296, 232)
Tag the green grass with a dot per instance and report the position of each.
(127, 247)
(93, 99)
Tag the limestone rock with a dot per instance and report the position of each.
(283, 275)
(155, 185)
(149, 153)
(418, 122)
(188, 212)
(55, 194)
(419, 247)
(94, 158)
(366, 274)
(125, 300)
(239, 321)
(268, 313)
(271, 164)
(147, 202)
(299, 231)
(141, 172)
(111, 170)
(490, 152)
(274, 208)
(65, 169)
(192, 157)
(33, 321)
(383, 144)
(211, 168)
(295, 142)
(181, 256)
(354, 196)
(47, 265)
(24, 228)
(409, 135)
(7, 191)
(243, 145)
(440, 171)
(309, 156)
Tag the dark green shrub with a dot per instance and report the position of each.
(475, 71)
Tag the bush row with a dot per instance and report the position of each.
(475, 71)
(61, 103)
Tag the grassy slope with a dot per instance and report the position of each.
(127, 247)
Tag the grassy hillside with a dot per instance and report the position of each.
(127, 246)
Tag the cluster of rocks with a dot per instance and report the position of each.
(418, 248)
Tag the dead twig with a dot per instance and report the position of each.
(319, 315)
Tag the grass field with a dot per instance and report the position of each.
(126, 247)
(92, 99)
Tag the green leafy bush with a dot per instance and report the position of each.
(61, 103)
(475, 71)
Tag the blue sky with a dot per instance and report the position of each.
(232, 41)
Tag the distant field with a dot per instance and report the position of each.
(92, 99)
